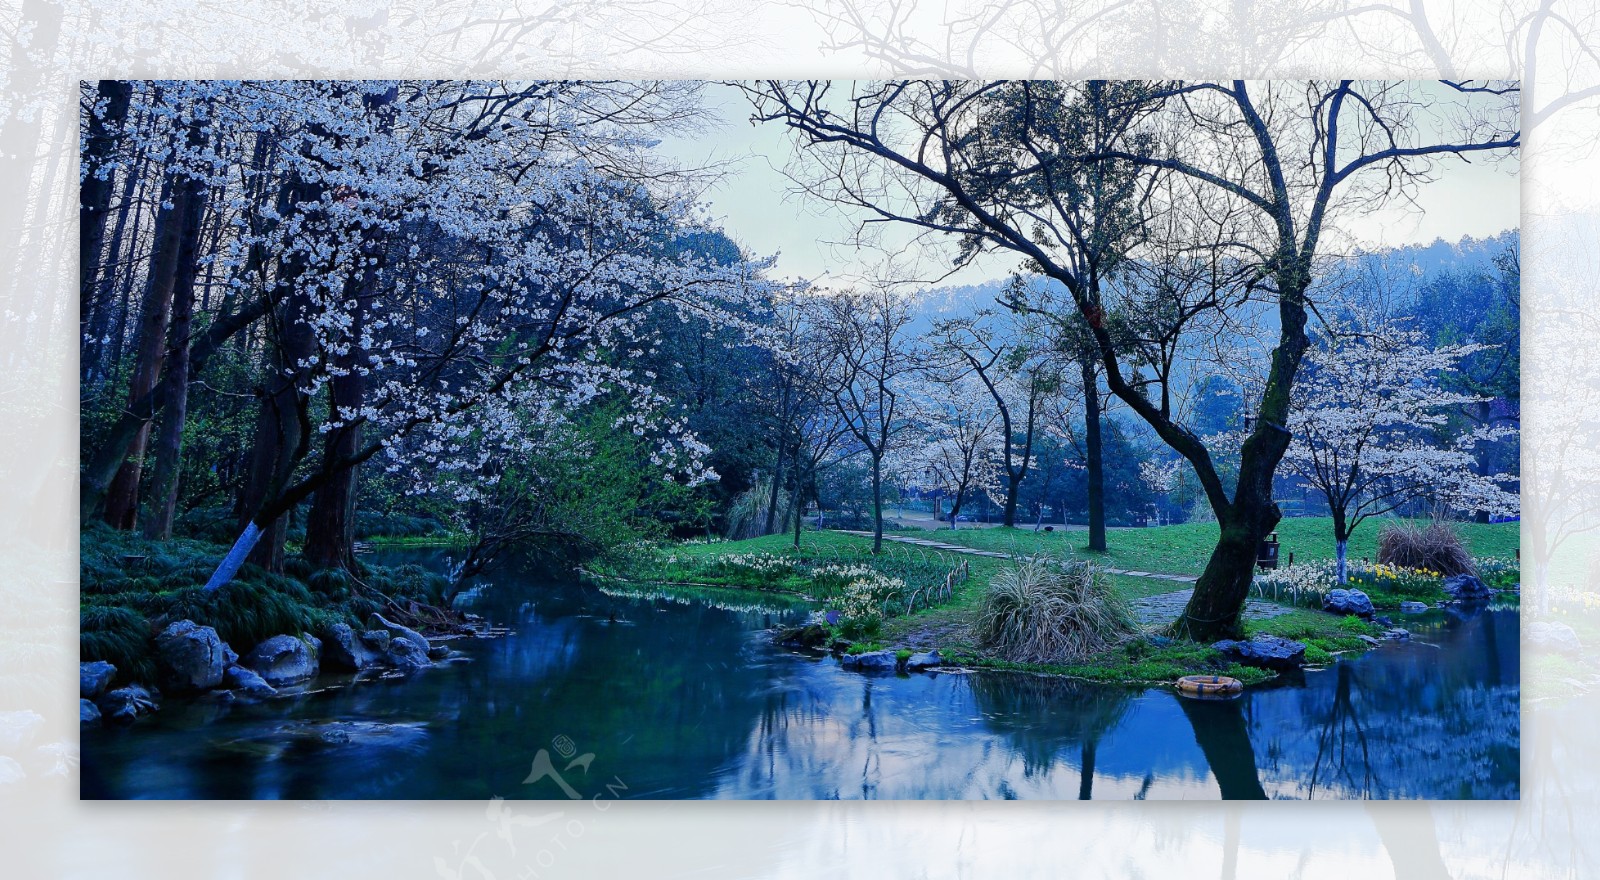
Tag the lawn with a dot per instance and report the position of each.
(1184, 549)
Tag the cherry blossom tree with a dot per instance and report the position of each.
(959, 439)
(1373, 431)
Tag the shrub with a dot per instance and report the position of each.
(1044, 610)
(1434, 547)
(119, 636)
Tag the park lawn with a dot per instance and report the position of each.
(1184, 549)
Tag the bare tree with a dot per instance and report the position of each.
(867, 357)
(1065, 175)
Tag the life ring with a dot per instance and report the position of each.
(1210, 686)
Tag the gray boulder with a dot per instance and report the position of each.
(871, 661)
(94, 678)
(1413, 607)
(88, 712)
(192, 657)
(1556, 637)
(126, 704)
(1342, 601)
(1467, 587)
(438, 652)
(398, 632)
(1371, 641)
(377, 639)
(344, 650)
(404, 654)
(285, 660)
(1397, 634)
(924, 660)
(1266, 652)
(248, 682)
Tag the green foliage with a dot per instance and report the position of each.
(246, 612)
(119, 636)
(1044, 610)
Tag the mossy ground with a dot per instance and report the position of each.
(131, 588)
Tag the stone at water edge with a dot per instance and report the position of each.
(1371, 641)
(192, 657)
(1266, 652)
(1556, 637)
(438, 652)
(404, 654)
(88, 712)
(1397, 634)
(1342, 601)
(94, 677)
(924, 660)
(247, 682)
(1413, 607)
(285, 660)
(1466, 586)
(378, 621)
(871, 661)
(342, 649)
(126, 704)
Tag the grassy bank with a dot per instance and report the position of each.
(772, 564)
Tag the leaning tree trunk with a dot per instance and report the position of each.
(1341, 546)
(1095, 455)
(169, 441)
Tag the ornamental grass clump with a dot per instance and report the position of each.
(1435, 547)
(1044, 610)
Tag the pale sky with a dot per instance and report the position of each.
(754, 204)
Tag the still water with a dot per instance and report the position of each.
(599, 695)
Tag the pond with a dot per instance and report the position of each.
(594, 694)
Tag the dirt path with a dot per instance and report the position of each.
(995, 554)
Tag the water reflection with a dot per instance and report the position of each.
(690, 700)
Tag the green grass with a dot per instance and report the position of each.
(1184, 549)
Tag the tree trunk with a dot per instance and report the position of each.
(1095, 456)
(1013, 487)
(330, 528)
(283, 422)
(1086, 769)
(877, 504)
(169, 442)
(94, 366)
(172, 224)
(94, 202)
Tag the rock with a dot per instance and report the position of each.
(1372, 642)
(1267, 652)
(285, 660)
(94, 678)
(344, 650)
(404, 654)
(126, 704)
(812, 635)
(870, 661)
(1413, 607)
(1397, 634)
(248, 682)
(377, 639)
(88, 713)
(924, 660)
(1341, 601)
(1467, 587)
(438, 652)
(1556, 637)
(192, 657)
(396, 631)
